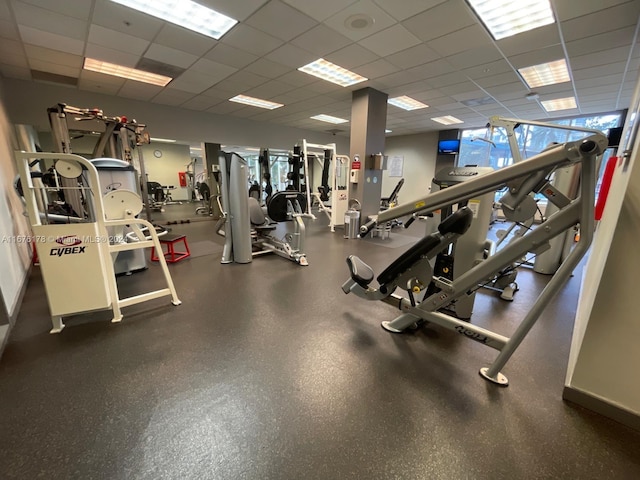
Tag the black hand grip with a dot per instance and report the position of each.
(367, 227)
(408, 223)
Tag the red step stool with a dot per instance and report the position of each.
(171, 255)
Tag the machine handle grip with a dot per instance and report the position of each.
(367, 227)
(408, 223)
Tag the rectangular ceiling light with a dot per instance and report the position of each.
(125, 72)
(545, 73)
(329, 119)
(505, 18)
(163, 140)
(332, 73)
(559, 104)
(255, 102)
(185, 13)
(388, 131)
(447, 120)
(406, 103)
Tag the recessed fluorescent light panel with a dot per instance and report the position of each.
(163, 140)
(505, 18)
(332, 73)
(546, 74)
(329, 119)
(388, 131)
(185, 13)
(447, 120)
(255, 102)
(125, 72)
(406, 103)
(559, 104)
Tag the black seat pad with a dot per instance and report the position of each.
(361, 273)
(458, 222)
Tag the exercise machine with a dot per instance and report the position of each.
(333, 194)
(240, 212)
(77, 257)
(281, 207)
(412, 271)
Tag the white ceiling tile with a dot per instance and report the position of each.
(246, 79)
(352, 56)
(461, 40)
(215, 69)
(603, 21)
(391, 40)
(163, 54)
(126, 20)
(231, 56)
(46, 39)
(53, 56)
(475, 56)
(281, 21)
(113, 56)
(195, 82)
(11, 71)
(508, 91)
(376, 69)
(98, 82)
(184, 40)
(240, 10)
(431, 24)
(226, 107)
(5, 12)
(251, 40)
(568, 10)
(599, 71)
(340, 21)
(291, 56)
(528, 41)
(172, 97)
(9, 30)
(269, 89)
(298, 79)
(536, 57)
(320, 10)
(604, 57)
(604, 41)
(414, 56)
(500, 79)
(71, 8)
(200, 102)
(488, 69)
(139, 91)
(117, 40)
(447, 79)
(431, 69)
(403, 9)
(48, 21)
(54, 68)
(267, 68)
(321, 40)
(613, 80)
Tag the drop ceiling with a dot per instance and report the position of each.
(432, 50)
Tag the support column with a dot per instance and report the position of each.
(368, 122)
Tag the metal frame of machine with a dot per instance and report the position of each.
(531, 175)
(76, 257)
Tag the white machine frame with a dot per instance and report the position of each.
(522, 178)
(87, 281)
(339, 198)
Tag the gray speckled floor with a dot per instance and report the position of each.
(268, 371)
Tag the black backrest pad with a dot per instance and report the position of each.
(408, 258)
(458, 222)
(277, 204)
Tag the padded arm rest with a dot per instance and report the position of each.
(361, 273)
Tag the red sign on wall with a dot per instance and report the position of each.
(355, 165)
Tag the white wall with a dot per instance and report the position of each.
(14, 257)
(419, 152)
(164, 170)
(27, 103)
